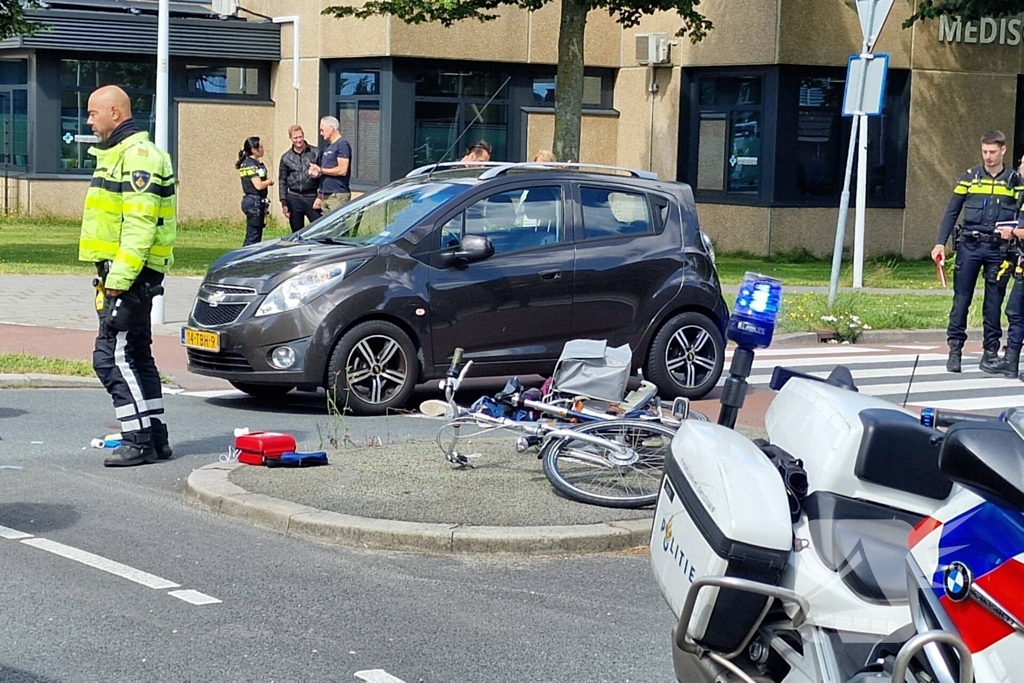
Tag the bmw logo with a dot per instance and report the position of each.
(957, 581)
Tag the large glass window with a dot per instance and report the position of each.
(778, 137)
(816, 142)
(357, 96)
(597, 91)
(449, 102)
(729, 133)
(13, 112)
(222, 81)
(78, 79)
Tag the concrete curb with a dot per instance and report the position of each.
(209, 487)
(37, 381)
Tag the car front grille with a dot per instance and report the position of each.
(221, 362)
(221, 304)
(223, 314)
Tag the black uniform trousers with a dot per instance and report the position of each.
(1015, 315)
(972, 258)
(123, 361)
(255, 209)
(300, 208)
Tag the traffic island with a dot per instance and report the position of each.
(405, 496)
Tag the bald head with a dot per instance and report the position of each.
(109, 107)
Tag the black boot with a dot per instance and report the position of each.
(160, 440)
(129, 454)
(953, 362)
(990, 362)
(1009, 365)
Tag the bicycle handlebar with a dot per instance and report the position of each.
(935, 417)
(456, 360)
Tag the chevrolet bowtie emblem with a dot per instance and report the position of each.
(215, 298)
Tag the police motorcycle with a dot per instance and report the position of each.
(786, 560)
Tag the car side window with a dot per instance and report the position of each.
(513, 220)
(611, 213)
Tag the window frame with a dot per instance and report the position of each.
(262, 80)
(358, 101)
(569, 221)
(87, 89)
(10, 90)
(767, 109)
(895, 143)
(607, 77)
(579, 231)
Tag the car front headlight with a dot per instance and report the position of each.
(301, 288)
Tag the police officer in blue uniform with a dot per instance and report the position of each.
(255, 182)
(987, 194)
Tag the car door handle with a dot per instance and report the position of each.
(550, 274)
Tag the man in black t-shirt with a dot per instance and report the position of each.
(335, 167)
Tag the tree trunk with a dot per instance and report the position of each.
(569, 88)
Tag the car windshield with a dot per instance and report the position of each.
(384, 215)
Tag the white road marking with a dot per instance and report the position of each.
(919, 388)
(844, 360)
(194, 597)
(101, 563)
(377, 676)
(895, 373)
(816, 351)
(983, 403)
(13, 534)
(911, 347)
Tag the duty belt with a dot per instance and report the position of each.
(980, 236)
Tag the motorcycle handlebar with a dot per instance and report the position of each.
(935, 417)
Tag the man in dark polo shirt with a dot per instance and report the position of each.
(335, 167)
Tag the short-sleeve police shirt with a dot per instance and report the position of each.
(252, 168)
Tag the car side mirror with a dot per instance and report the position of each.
(472, 248)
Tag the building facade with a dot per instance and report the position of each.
(750, 117)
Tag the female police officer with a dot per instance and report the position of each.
(255, 181)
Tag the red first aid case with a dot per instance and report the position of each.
(254, 447)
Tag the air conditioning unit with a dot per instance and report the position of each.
(224, 8)
(652, 48)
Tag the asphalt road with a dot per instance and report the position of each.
(105, 574)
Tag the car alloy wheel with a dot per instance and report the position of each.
(691, 356)
(686, 356)
(373, 369)
(376, 368)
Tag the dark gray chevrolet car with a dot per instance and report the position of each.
(508, 261)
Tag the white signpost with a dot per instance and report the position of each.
(162, 112)
(865, 93)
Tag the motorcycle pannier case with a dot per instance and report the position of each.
(722, 512)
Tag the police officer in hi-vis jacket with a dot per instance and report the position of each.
(128, 231)
(988, 194)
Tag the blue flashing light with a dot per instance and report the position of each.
(752, 322)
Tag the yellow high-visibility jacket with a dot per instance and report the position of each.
(130, 213)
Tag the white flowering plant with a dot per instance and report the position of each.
(847, 327)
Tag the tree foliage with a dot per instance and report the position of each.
(965, 9)
(12, 18)
(569, 93)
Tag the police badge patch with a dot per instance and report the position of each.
(141, 180)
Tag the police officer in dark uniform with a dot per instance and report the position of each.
(988, 194)
(1009, 365)
(255, 181)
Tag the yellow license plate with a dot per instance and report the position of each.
(200, 339)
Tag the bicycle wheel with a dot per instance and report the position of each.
(602, 475)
